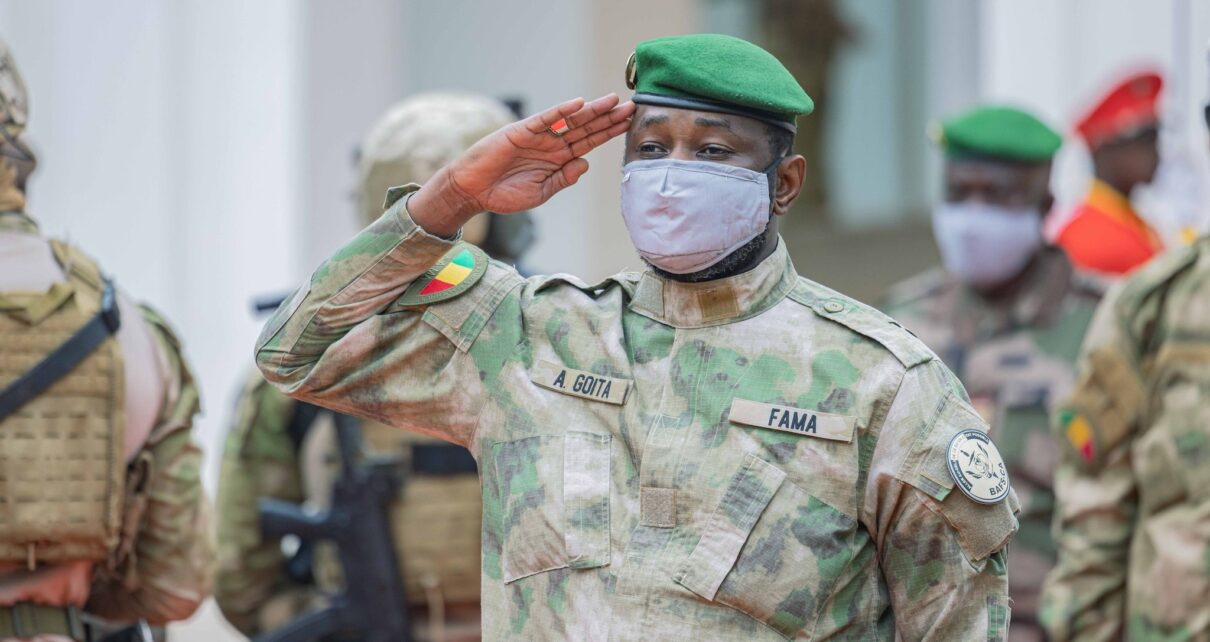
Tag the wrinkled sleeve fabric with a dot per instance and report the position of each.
(259, 460)
(1084, 597)
(942, 554)
(168, 569)
(344, 341)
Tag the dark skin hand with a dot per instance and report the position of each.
(1004, 184)
(691, 135)
(522, 165)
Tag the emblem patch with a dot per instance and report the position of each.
(795, 421)
(1079, 434)
(454, 274)
(578, 383)
(977, 467)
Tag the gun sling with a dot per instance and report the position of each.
(67, 356)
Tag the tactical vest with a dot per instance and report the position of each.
(61, 454)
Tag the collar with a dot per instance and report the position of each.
(17, 221)
(1102, 196)
(1036, 301)
(717, 302)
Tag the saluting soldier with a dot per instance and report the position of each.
(1006, 313)
(713, 448)
(102, 512)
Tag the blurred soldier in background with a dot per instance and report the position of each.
(1105, 234)
(1133, 484)
(276, 448)
(101, 507)
(1007, 314)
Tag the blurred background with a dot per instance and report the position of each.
(203, 149)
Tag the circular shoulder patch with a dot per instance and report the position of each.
(977, 467)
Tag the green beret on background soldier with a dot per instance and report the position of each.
(102, 514)
(1132, 518)
(1006, 313)
(714, 448)
(277, 448)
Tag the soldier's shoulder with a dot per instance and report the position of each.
(862, 319)
(921, 290)
(1162, 272)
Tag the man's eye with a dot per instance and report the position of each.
(715, 150)
(650, 149)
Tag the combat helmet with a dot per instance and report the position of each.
(418, 136)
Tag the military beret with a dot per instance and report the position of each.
(1125, 109)
(718, 73)
(999, 132)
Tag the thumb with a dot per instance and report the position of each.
(566, 176)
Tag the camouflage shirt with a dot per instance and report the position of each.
(1016, 355)
(751, 458)
(1133, 484)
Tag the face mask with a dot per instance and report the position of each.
(685, 216)
(986, 245)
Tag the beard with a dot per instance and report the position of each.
(726, 267)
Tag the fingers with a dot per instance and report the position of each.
(585, 145)
(603, 121)
(539, 123)
(592, 110)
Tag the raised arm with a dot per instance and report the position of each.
(346, 340)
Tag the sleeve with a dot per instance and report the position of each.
(259, 460)
(1096, 497)
(383, 328)
(165, 559)
(942, 554)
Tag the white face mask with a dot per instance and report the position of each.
(685, 216)
(986, 245)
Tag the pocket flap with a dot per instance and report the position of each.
(729, 526)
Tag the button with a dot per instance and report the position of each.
(834, 306)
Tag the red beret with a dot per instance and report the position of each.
(1127, 107)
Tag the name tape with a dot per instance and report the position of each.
(578, 383)
(795, 421)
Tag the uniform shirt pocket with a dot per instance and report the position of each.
(770, 550)
(548, 507)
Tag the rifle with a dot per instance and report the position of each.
(373, 607)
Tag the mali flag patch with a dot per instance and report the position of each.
(454, 274)
(1079, 434)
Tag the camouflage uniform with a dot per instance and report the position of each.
(1133, 483)
(1016, 358)
(437, 518)
(626, 496)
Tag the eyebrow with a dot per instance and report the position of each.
(713, 122)
(653, 120)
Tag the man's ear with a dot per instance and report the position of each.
(790, 175)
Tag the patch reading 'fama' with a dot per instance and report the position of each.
(454, 274)
(977, 467)
(578, 383)
(795, 421)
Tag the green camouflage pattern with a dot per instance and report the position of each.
(1133, 508)
(164, 566)
(1016, 356)
(658, 518)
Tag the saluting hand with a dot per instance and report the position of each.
(520, 166)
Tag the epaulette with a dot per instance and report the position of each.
(863, 320)
(626, 280)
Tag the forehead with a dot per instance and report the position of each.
(650, 117)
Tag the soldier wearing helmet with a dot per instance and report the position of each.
(102, 514)
(279, 448)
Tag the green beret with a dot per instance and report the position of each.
(712, 72)
(999, 132)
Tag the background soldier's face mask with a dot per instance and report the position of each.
(985, 245)
(685, 216)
